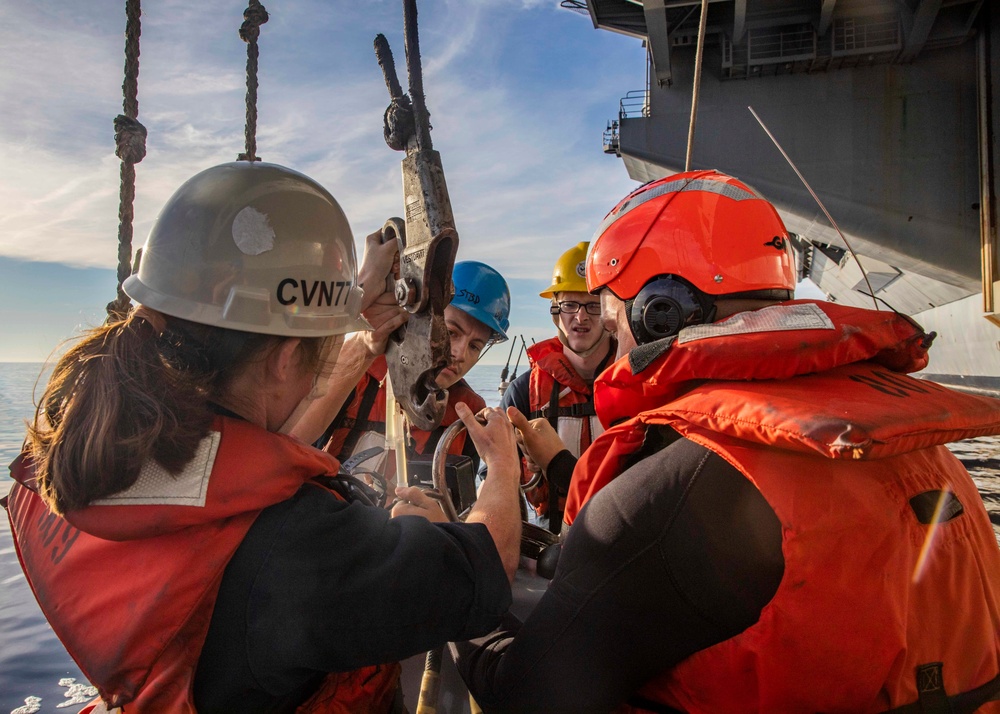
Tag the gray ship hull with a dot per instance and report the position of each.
(890, 112)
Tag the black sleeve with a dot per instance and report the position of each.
(516, 395)
(560, 470)
(319, 585)
(678, 553)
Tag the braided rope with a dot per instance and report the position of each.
(421, 117)
(130, 147)
(398, 124)
(253, 17)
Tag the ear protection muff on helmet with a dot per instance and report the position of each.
(664, 306)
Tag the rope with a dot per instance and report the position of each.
(421, 118)
(699, 50)
(397, 122)
(253, 17)
(130, 147)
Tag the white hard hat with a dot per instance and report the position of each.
(254, 247)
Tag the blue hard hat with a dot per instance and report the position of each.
(482, 292)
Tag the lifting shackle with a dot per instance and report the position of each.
(427, 240)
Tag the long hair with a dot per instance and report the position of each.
(127, 393)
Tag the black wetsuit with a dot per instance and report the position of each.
(677, 553)
(319, 585)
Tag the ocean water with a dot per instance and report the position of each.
(36, 673)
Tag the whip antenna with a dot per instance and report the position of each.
(518, 361)
(864, 274)
(506, 369)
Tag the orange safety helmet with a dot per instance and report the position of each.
(710, 229)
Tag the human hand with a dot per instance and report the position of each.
(380, 262)
(529, 462)
(540, 441)
(499, 504)
(492, 435)
(413, 501)
(385, 316)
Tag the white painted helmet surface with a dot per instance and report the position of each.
(254, 247)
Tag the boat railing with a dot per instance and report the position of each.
(781, 44)
(634, 105)
(865, 35)
(798, 48)
(611, 144)
(578, 6)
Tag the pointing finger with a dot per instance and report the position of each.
(518, 419)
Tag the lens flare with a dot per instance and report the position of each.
(932, 529)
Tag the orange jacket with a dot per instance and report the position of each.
(138, 638)
(848, 452)
(796, 338)
(351, 425)
(557, 393)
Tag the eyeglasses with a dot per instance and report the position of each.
(571, 308)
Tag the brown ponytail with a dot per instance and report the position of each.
(127, 393)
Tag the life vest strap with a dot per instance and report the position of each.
(351, 489)
(357, 425)
(583, 409)
(934, 700)
(359, 458)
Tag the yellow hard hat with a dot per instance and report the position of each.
(570, 273)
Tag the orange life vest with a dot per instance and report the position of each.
(557, 393)
(798, 337)
(138, 637)
(875, 597)
(361, 422)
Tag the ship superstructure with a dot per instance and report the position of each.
(887, 107)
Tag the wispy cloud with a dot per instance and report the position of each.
(517, 120)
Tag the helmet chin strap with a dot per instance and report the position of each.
(583, 354)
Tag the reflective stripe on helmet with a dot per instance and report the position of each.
(723, 189)
(711, 229)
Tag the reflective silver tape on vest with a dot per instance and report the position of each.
(776, 318)
(727, 190)
(155, 486)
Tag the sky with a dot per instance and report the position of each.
(519, 93)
